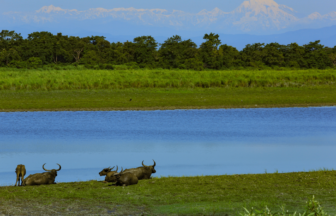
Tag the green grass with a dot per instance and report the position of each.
(158, 78)
(166, 98)
(83, 89)
(200, 195)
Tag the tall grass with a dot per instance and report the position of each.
(13, 79)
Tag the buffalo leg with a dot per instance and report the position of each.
(17, 179)
(22, 178)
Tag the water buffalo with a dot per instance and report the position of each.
(143, 172)
(42, 178)
(20, 173)
(125, 178)
(109, 174)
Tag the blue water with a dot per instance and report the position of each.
(182, 142)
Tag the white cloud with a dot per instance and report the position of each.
(250, 16)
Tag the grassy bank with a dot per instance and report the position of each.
(157, 78)
(170, 98)
(202, 195)
(78, 89)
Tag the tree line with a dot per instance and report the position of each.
(44, 48)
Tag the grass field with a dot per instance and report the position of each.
(200, 195)
(83, 89)
(156, 99)
(14, 79)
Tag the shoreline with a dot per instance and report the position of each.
(163, 99)
(170, 108)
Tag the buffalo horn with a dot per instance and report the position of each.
(59, 167)
(144, 164)
(111, 168)
(154, 163)
(117, 169)
(45, 168)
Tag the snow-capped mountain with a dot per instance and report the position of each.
(253, 16)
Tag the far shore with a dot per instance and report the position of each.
(167, 108)
(166, 99)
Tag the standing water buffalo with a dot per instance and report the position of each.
(42, 178)
(143, 172)
(20, 173)
(125, 178)
(109, 174)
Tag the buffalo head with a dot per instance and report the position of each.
(151, 168)
(106, 170)
(53, 171)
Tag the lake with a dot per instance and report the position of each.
(182, 142)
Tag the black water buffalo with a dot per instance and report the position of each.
(125, 178)
(143, 172)
(109, 174)
(20, 173)
(42, 178)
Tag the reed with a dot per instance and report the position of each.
(14, 79)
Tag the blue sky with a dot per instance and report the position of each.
(304, 7)
(120, 26)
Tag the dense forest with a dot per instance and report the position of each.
(44, 48)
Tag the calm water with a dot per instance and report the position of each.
(182, 142)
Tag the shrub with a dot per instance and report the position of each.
(34, 62)
(109, 67)
(18, 64)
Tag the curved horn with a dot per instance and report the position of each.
(122, 170)
(117, 169)
(154, 163)
(59, 167)
(111, 168)
(45, 168)
(144, 164)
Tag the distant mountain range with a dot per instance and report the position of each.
(252, 16)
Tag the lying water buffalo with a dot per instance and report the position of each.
(109, 174)
(143, 172)
(125, 178)
(42, 178)
(20, 173)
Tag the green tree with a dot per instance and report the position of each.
(229, 56)
(9, 39)
(174, 52)
(316, 55)
(129, 51)
(253, 55)
(8, 55)
(41, 44)
(117, 55)
(90, 58)
(293, 54)
(209, 51)
(59, 52)
(76, 47)
(272, 55)
(145, 50)
(103, 48)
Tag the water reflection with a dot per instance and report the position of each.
(182, 142)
